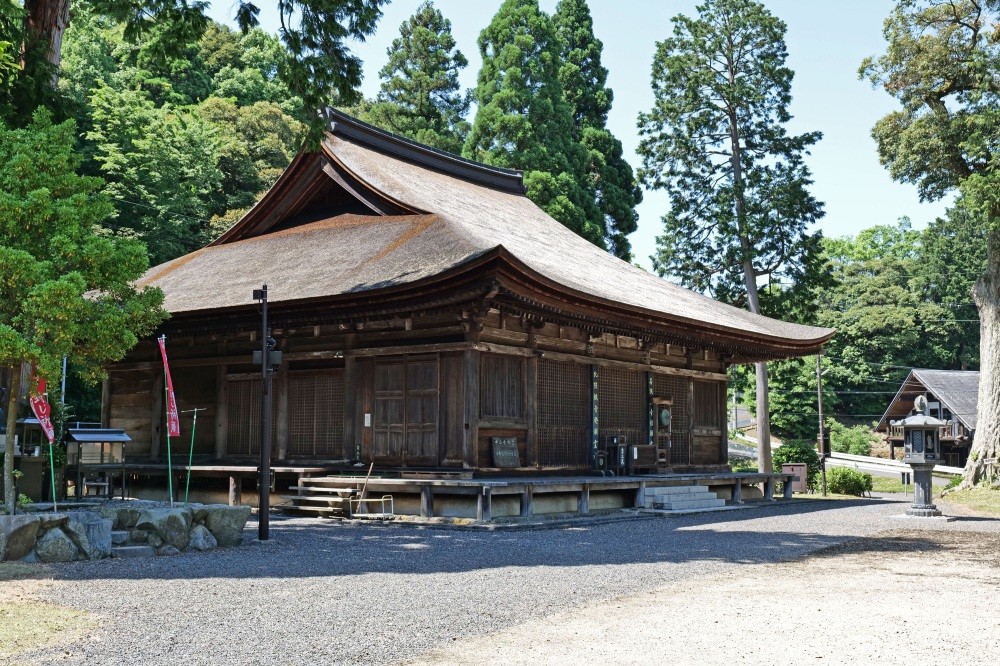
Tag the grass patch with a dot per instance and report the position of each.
(982, 500)
(28, 624)
(18, 570)
(889, 484)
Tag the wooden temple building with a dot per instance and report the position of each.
(431, 317)
(952, 396)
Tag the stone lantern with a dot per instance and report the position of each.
(921, 451)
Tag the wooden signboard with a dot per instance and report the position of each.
(505, 452)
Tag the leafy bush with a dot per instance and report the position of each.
(799, 451)
(856, 440)
(847, 481)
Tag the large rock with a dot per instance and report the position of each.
(171, 525)
(48, 521)
(56, 546)
(226, 523)
(202, 539)
(90, 533)
(122, 517)
(17, 536)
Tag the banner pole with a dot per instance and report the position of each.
(194, 426)
(166, 405)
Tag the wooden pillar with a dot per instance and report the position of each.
(484, 505)
(472, 409)
(527, 495)
(691, 412)
(221, 412)
(532, 457)
(724, 444)
(281, 422)
(106, 403)
(235, 490)
(426, 501)
(155, 416)
(352, 437)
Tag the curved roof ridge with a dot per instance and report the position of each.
(491, 218)
(341, 124)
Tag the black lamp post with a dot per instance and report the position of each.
(269, 359)
(922, 451)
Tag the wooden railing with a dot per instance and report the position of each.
(954, 431)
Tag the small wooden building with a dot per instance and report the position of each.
(430, 314)
(951, 396)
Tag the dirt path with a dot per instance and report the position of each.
(900, 597)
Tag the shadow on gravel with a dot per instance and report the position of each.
(314, 548)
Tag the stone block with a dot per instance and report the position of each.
(171, 525)
(202, 539)
(17, 536)
(226, 523)
(56, 546)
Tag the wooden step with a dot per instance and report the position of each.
(316, 498)
(321, 489)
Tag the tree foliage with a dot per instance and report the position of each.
(715, 141)
(185, 144)
(66, 289)
(523, 120)
(420, 96)
(942, 63)
(583, 79)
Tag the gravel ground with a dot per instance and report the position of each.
(322, 592)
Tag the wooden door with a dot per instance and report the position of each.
(404, 424)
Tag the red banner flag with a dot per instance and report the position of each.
(173, 418)
(43, 411)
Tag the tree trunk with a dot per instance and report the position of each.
(47, 20)
(9, 495)
(983, 466)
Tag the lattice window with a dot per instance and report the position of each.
(243, 437)
(501, 387)
(708, 404)
(316, 414)
(676, 388)
(622, 400)
(563, 413)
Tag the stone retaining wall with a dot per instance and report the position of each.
(118, 530)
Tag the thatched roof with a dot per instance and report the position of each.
(956, 390)
(374, 212)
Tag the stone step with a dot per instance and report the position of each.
(676, 490)
(687, 505)
(133, 551)
(120, 537)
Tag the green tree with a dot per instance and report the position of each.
(420, 96)
(523, 120)
(162, 169)
(66, 289)
(139, 129)
(584, 80)
(716, 141)
(316, 63)
(942, 63)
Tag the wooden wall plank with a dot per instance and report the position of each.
(221, 411)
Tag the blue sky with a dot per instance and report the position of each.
(826, 43)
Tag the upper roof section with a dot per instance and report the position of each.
(956, 390)
(373, 211)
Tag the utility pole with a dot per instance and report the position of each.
(269, 360)
(819, 402)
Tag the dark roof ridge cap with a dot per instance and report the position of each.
(358, 131)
